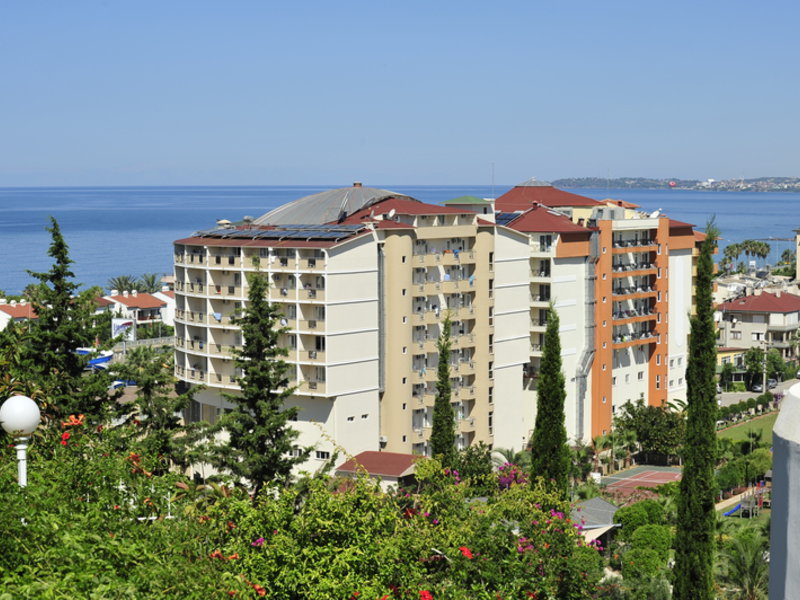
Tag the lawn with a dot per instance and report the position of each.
(762, 424)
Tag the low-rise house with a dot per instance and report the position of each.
(15, 311)
(390, 468)
(143, 309)
(762, 320)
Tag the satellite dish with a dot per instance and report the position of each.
(391, 214)
(223, 222)
(654, 214)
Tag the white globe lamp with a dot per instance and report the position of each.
(20, 416)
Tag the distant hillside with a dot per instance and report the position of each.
(759, 184)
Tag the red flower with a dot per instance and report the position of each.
(64, 437)
(216, 554)
(425, 595)
(465, 551)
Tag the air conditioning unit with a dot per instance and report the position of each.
(312, 354)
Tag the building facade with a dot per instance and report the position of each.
(365, 279)
(364, 299)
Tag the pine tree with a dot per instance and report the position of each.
(443, 434)
(694, 539)
(157, 428)
(65, 322)
(550, 453)
(261, 446)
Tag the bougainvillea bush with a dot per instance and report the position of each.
(96, 522)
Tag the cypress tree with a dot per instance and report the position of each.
(261, 446)
(694, 539)
(443, 435)
(550, 453)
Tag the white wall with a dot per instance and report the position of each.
(680, 306)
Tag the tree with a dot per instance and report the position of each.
(549, 448)
(694, 539)
(65, 322)
(726, 375)
(658, 430)
(261, 445)
(155, 413)
(745, 572)
(443, 434)
(754, 365)
(788, 257)
(123, 283)
(149, 283)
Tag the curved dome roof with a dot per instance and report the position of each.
(328, 206)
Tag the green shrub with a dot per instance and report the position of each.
(588, 560)
(640, 563)
(655, 512)
(738, 386)
(759, 461)
(751, 403)
(653, 537)
(630, 519)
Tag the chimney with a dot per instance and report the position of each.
(125, 293)
(356, 184)
(2, 301)
(115, 292)
(22, 302)
(13, 303)
(778, 294)
(135, 293)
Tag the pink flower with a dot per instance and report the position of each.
(258, 543)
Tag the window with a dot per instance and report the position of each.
(404, 405)
(404, 259)
(671, 362)
(658, 382)
(758, 336)
(323, 454)
(640, 375)
(404, 291)
(613, 381)
(405, 319)
(604, 276)
(627, 377)
(604, 401)
(671, 383)
(405, 349)
(658, 359)
(404, 380)
(364, 416)
(736, 335)
(351, 418)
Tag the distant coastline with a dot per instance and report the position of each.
(760, 184)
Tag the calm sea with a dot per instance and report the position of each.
(129, 230)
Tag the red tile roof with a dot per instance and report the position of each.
(540, 219)
(673, 224)
(168, 293)
(521, 197)
(402, 206)
(102, 302)
(20, 311)
(140, 300)
(389, 464)
(622, 203)
(763, 303)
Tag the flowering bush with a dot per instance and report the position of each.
(510, 474)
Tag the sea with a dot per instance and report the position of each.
(113, 231)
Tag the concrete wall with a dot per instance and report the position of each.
(784, 575)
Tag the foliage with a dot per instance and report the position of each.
(154, 418)
(443, 433)
(549, 450)
(47, 345)
(657, 429)
(654, 537)
(641, 563)
(261, 444)
(654, 510)
(744, 570)
(694, 540)
(630, 518)
(122, 283)
(726, 375)
(754, 365)
(474, 467)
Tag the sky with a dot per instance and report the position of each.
(316, 93)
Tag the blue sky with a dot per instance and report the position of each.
(268, 93)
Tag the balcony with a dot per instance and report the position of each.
(638, 291)
(282, 294)
(466, 392)
(312, 325)
(225, 262)
(190, 316)
(466, 425)
(222, 350)
(626, 245)
(310, 293)
(312, 387)
(282, 263)
(632, 316)
(312, 264)
(633, 269)
(633, 339)
(194, 259)
(314, 356)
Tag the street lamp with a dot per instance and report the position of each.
(20, 417)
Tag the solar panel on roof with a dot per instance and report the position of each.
(505, 218)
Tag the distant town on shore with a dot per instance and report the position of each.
(760, 184)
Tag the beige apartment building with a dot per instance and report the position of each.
(365, 278)
(621, 281)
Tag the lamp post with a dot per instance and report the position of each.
(20, 417)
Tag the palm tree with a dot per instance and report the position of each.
(581, 456)
(521, 458)
(149, 283)
(601, 443)
(122, 283)
(744, 570)
(788, 257)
